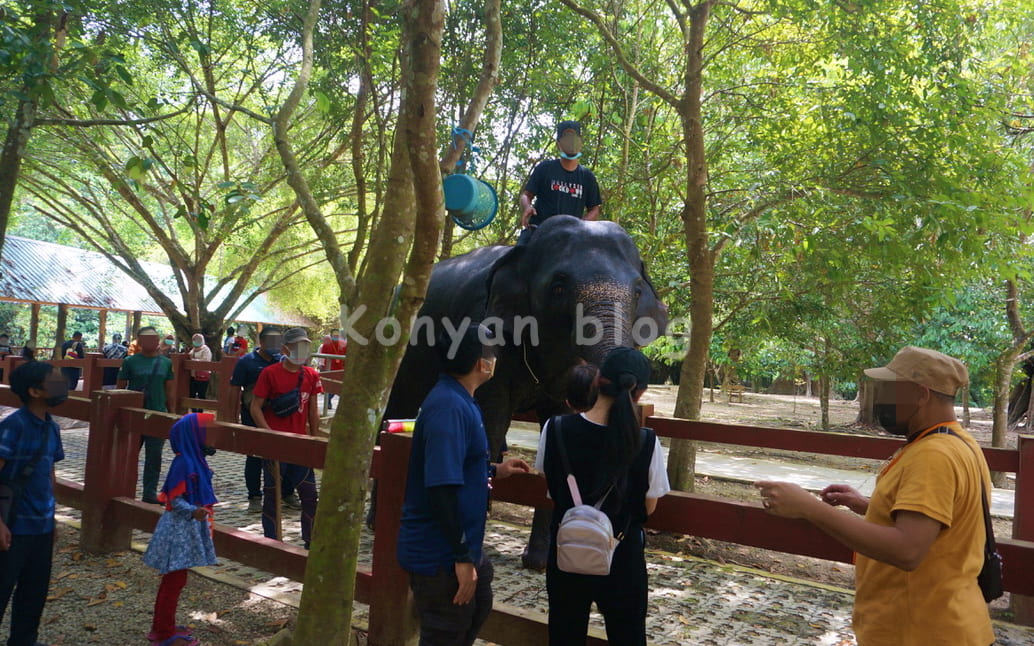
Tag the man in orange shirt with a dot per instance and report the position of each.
(920, 544)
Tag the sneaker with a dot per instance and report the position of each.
(255, 505)
(292, 501)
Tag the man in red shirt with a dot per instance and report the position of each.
(334, 345)
(285, 400)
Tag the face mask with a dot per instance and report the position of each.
(57, 392)
(334, 337)
(887, 416)
(570, 146)
(197, 344)
(299, 354)
(170, 341)
(491, 366)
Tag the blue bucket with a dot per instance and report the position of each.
(471, 202)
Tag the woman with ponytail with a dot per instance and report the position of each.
(613, 459)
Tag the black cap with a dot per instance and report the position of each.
(625, 360)
(568, 125)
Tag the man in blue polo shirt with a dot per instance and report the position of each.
(29, 446)
(443, 518)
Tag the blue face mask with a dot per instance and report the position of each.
(566, 156)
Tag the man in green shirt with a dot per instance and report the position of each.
(150, 373)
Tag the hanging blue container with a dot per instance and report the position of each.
(472, 203)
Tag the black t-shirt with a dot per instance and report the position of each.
(561, 192)
(73, 346)
(585, 443)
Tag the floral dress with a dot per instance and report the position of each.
(179, 541)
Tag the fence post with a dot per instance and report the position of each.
(111, 460)
(392, 620)
(180, 384)
(1023, 520)
(93, 375)
(229, 396)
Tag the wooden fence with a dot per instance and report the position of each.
(110, 513)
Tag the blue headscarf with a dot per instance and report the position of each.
(189, 475)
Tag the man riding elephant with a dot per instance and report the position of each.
(577, 290)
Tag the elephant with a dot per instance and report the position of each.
(575, 291)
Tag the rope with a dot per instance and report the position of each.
(465, 164)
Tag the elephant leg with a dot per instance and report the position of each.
(536, 552)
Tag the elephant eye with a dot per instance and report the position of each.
(558, 287)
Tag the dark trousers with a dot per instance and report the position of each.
(25, 573)
(297, 477)
(198, 390)
(152, 466)
(253, 475)
(443, 623)
(253, 478)
(620, 597)
(163, 625)
(72, 376)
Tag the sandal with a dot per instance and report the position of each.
(176, 640)
(181, 631)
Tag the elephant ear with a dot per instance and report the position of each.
(508, 290)
(650, 305)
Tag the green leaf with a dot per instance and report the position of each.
(322, 102)
(124, 74)
(99, 99)
(226, 184)
(118, 99)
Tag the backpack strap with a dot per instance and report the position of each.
(572, 483)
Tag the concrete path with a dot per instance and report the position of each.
(751, 469)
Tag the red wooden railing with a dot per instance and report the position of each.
(110, 513)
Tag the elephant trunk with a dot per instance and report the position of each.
(604, 318)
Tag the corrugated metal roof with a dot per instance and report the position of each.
(42, 272)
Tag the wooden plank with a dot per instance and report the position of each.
(845, 444)
(514, 625)
(744, 523)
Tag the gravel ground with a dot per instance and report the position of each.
(107, 599)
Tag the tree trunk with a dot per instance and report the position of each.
(1000, 414)
(59, 334)
(476, 106)
(19, 129)
(866, 395)
(412, 216)
(682, 458)
(824, 389)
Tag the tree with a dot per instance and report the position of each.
(803, 110)
(190, 178)
(411, 220)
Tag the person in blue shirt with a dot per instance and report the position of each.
(245, 375)
(443, 517)
(30, 444)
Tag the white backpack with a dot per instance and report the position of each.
(585, 540)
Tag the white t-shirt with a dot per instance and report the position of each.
(658, 477)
